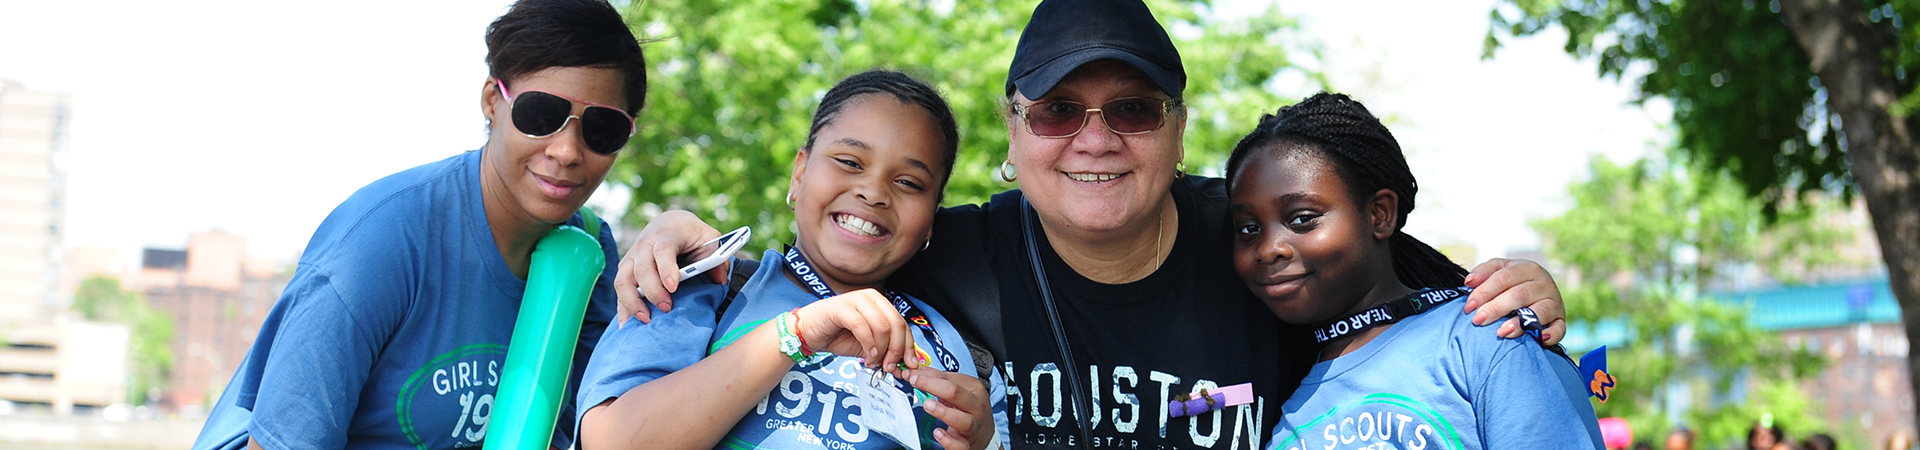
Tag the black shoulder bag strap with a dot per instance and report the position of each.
(1068, 368)
(739, 272)
(970, 291)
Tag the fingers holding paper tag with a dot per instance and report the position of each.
(861, 324)
(887, 410)
(958, 401)
(962, 402)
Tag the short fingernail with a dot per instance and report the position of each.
(1546, 337)
(1479, 318)
(931, 406)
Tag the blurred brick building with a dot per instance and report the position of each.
(218, 298)
(1856, 325)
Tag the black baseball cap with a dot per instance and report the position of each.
(1065, 34)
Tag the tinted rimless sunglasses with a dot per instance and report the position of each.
(1062, 119)
(539, 114)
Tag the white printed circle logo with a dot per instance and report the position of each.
(1383, 421)
(448, 401)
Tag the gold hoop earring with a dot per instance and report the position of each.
(790, 201)
(1007, 172)
(1180, 171)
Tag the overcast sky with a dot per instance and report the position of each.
(259, 117)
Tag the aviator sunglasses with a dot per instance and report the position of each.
(1063, 119)
(539, 114)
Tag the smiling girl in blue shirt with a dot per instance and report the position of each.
(1319, 193)
(714, 374)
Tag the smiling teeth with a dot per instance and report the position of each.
(1092, 177)
(858, 225)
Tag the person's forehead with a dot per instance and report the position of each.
(1105, 73)
(877, 122)
(598, 85)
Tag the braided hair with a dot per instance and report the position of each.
(903, 87)
(1367, 158)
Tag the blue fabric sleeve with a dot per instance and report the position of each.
(627, 356)
(321, 357)
(226, 427)
(997, 385)
(1532, 398)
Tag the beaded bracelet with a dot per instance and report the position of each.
(790, 343)
(804, 347)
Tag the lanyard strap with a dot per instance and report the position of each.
(801, 269)
(1387, 314)
(1068, 369)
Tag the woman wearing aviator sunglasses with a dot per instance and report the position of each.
(394, 329)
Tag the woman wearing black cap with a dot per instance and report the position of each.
(1105, 282)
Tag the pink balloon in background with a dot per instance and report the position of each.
(1615, 432)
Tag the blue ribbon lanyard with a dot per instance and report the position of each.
(1388, 313)
(804, 271)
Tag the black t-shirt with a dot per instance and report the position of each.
(1190, 324)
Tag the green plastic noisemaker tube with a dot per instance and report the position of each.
(566, 264)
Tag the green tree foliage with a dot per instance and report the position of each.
(1745, 97)
(101, 299)
(733, 86)
(1638, 245)
(1776, 93)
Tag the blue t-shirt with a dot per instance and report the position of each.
(814, 406)
(392, 332)
(1436, 381)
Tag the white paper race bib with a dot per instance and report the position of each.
(886, 409)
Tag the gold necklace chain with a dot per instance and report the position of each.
(1159, 231)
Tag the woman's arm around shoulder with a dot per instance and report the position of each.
(1501, 286)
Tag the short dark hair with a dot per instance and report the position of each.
(903, 87)
(1774, 429)
(1364, 154)
(1818, 441)
(539, 34)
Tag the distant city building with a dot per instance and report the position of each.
(218, 299)
(65, 363)
(49, 357)
(1843, 311)
(1856, 326)
(33, 188)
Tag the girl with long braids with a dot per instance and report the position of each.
(790, 362)
(1319, 193)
